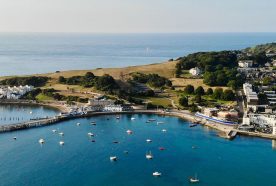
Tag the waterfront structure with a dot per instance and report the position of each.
(195, 71)
(15, 92)
(100, 102)
(231, 114)
(251, 96)
(113, 108)
(245, 63)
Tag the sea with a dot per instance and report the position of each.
(84, 160)
(32, 53)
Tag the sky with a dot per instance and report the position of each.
(137, 16)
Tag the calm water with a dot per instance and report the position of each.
(40, 53)
(244, 161)
(15, 113)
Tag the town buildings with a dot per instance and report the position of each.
(195, 71)
(15, 92)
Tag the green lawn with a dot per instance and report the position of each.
(42, 97)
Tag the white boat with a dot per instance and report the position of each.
(31, 112)
(78, 124)
(90, 134)
(61, 142)
(157, 174)
(41, 141)
(149, 156)
(164, 130)
(14, 138)
(194, 179)
(117, 117)
(61, 134)
(93, 123)
(129, 132)
(113, 158)
(54, 131)
(148, 141)
(160, 122)
(133, 118)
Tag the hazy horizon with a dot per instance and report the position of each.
(124, 16)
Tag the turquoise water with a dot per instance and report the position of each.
(10, 114)
(30, 53)
(243, 161)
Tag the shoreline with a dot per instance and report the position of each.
(222, 130)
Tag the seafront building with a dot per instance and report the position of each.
(195, 71)
(251, 95)
(15, 92)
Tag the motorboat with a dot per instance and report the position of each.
(151, 120)
(117, 117)
(193, 125)
(93, 141)
(161, 148)
(194, 179)
(54, 131)
(78, 124)
(41, 141)
(90, 134)
(164, 130)
(160, 122)
(115, 141)
(157, 174)
(113, 158)
(14, 138)
(61, 134)
(133, 118)
(149, 156)
(148, 141)
(93, 123)
(129, 132)
(61, 142)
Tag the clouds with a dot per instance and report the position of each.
(137, 15)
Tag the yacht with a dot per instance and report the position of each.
(113, 158)
(61, 142)
(41, 141)
(61, 134)
(90, 134)
(194, 179)
(149, 156)
(129, 132)
(157, 174)
(148, 141)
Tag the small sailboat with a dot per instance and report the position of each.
(61, 143)
(148, 140)
(164, 130)
(90, 134)
(78, 124)
(157, 174)
(149, 156)
(160, 122)
(117, 117)
(133, 118)
(129, 132)
(54, 130)
(194, 179)
(41, 141)
(14, 137)
(113, 158)
(31, 112)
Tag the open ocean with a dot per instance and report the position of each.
(29, 53)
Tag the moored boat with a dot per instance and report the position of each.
(113, 158)
(157, 174)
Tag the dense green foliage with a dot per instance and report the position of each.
(104, 83)
(199, 91)
(183, 101)
(189, 89)
(36, 81)
(219, 68)
(153, 80)
(226, 95)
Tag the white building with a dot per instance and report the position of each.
(251, 96)
(271, 96)
(14, 92)
(245, 63)
(113, 108)
(195, 71)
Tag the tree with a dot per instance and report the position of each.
(189, 89)
(183, 101)
(233, 84)
(89, 76)
(228, 95)
(199, 91)
(61, 79)
(198, 98)
(218, 93)
(209, 78)
(266, 81)
(209, 91)
(262, 99)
